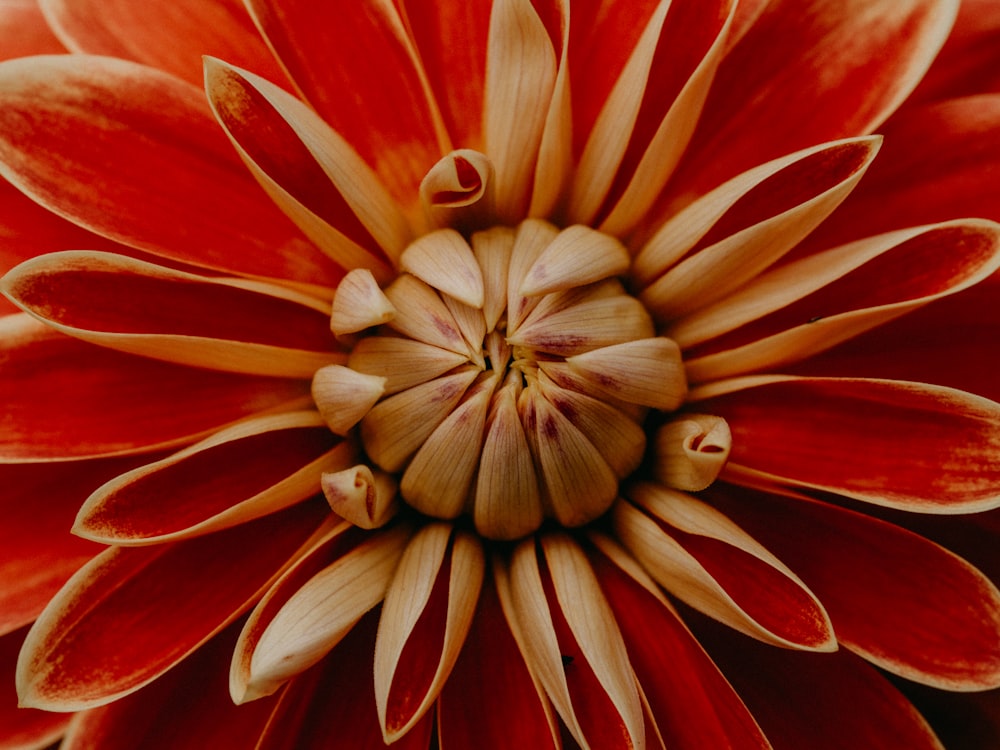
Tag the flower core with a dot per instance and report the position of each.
(505, 376)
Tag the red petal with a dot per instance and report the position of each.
(23, 31)
(23, 728)
(818, 701)
(455, 68)
(693, 705)
(938, 162)
(366, 50)
(909, 445)
(133, 613)
(490, 701)
(146, 309)
(894, 597)
(63, 398)
(335, 701)
(808, 72)
(37, 552)
(170, 713)
(170, 36)
(952, 330)
(968, 62)
(256, 468)
(135, 155)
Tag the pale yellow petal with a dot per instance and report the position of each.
(577, 256)
(359, 303)
(691, 451)
(343, 396)
(444, 260)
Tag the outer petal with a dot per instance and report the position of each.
(37, 554)
(490, 701)
(141, 308)
(818, 701)
(901, 444)
(135, 155)
(169, 714)
(894, 597)
(808, 72)
(131, 614)
(23, 728)
(335, 702)
(23, 30)
(171, 36)
(249, 470)
(692, 705)
(110, 403)
(334, 50)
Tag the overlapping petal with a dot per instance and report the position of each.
(23, 728)
(90, 139)
(24, 31)
(110, 403)
(893, 596)
(132, 613)
(141, 308)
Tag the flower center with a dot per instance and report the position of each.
(505, 376)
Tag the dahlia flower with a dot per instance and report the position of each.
(500, 374)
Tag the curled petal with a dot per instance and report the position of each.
(246, 471)
(427, 613)
(459, 191)
(705, 559)
(365, 498)
(137, 307)
(940, 442)
(691, 451)
(126, 617)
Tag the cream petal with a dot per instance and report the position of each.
(422, 315)
(406, 685)
(459, 190)
(533, 236)
(691, 451)
(577, 256)
(359, 303)
(520, 76)
(322, 611)
(492, 248)
(444, 260)
(402, 363)
(344, 396)
(367, 499)
(647, 372)
(588, 325)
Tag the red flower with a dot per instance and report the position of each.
(591, 374)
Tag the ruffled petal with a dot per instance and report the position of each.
(168, 714)
(37, 554)
(109, 403)
(255, 468)
(807, 306)
(24, 31)
(490, 701)
(362, 47)
(818, 701)
(692, 705)
(140, 308)
(23, 728)
(88, 138)
(707, 561)
(907, 445)
(895, 598)
(129, 615)
(335, 701)
(171, 36)
(426, 616)
(808, 72)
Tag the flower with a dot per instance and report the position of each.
(573, 374)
